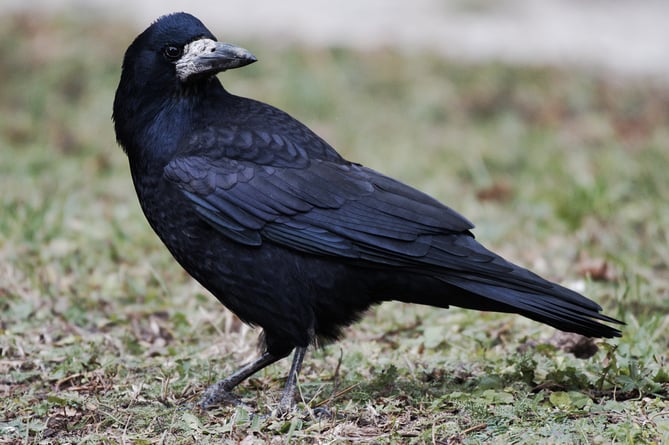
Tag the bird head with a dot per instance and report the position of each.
(178, 47)
(175, 58)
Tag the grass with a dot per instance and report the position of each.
(104, 339)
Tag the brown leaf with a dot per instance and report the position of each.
(498, 191)
(596, 269)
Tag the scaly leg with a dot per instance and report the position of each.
(222, 391)
(288, 396)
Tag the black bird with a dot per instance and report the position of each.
(285, 232)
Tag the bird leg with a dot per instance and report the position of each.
(288, 396)
(222, 391)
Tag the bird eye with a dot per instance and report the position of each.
(172, 52)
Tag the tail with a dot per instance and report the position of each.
(500, 286)
(556, 306)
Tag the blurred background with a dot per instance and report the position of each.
(627, 36)
(546, 123)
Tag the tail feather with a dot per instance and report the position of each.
(556, 306)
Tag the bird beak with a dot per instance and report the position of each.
(206, 57)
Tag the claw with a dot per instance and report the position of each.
(322, 412)
(217, 394)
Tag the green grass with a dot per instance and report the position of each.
(104, 339)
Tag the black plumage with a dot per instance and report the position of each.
(279, 227)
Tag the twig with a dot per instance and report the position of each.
(471, 429)
(339, 394)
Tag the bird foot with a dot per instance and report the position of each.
(219, 393)
(286, 404)
(322, 412)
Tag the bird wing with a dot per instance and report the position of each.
(321, 206)
(334, 208)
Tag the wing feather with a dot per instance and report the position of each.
(325, 206)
